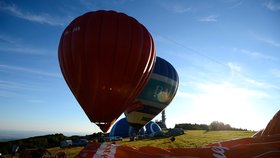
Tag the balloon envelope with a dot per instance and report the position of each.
(123, 129)
(156, 95)
(273, 126)
(152, 127)
(106, 58)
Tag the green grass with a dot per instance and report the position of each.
(191, 138)
(70, 152)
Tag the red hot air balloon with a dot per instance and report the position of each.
(106, 58)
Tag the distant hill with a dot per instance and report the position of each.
(46, 141)
(43, 141)
(8, 135)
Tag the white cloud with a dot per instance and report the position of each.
(16, 45)
(4, 40)
(22, 49)
(269, 41)
(239, 77)
(210, 18)
(272, 5)
(275, 72)
(42, 18)
(35, 101)
(180, 9)
(176, 7)
(15, 89)
(5, 93)
(12, 89)
(257, 55)
(7, 39)
(237, 4)
(9, 68)
(161, 39)
(13, 85)
(234, 67)
(260, 84)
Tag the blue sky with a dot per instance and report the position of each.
(226, 52)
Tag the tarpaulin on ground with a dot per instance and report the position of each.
(265, 145)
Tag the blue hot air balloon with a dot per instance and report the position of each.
(155, 97)
(152, 127)
(123, 129)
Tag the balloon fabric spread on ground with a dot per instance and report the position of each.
(106, 59)
(263, 146)
(156, 96)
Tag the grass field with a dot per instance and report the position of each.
(191, 138)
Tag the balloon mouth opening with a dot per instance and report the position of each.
(104, 126)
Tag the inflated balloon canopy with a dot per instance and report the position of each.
(156, 96)
(106, 58)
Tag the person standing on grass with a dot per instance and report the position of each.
(14, 149)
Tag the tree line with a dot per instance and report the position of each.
(214, 126)
(45, 141)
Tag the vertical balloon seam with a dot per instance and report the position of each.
(125, 71)
(69, 59)
(150, 57)
(82, 31)
(101, 63)
(62, 62)
(129, 52)
(85, 64)
(62, 55)
(85, 71)
(101, 23)
(113, 77)
(132, 55)
(114, 91)
(72, 57)
(91, 82)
